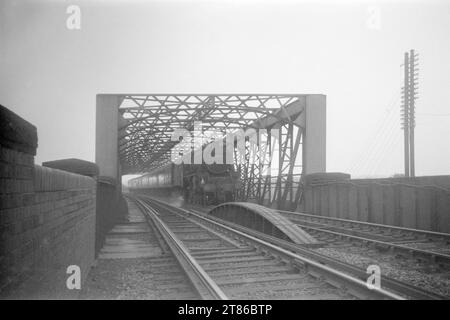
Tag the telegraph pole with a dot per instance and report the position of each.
(405, 112)
(408, 117)
(413, 83)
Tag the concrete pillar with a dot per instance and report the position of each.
(314, 141)
(110, 204)
(106, 142)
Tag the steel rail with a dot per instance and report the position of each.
(389, 283)
(335, 277)
(202, 282)
(435, 257)
(433, 234)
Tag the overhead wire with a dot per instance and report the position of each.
(376, 140)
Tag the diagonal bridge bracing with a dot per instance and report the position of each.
(270, 169)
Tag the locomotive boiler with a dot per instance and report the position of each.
(203, 184)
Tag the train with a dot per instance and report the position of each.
(203, 184)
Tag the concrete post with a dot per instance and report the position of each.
(314, 143)
(106, 142)
(109, 196)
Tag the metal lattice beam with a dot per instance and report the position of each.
(151, 119)
(270, 170)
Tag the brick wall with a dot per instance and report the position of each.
(47, 218)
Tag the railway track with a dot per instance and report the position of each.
(421, 244)
(136, 263)
(400, 274)
(225, 263)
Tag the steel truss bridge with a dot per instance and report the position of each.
(289, 140)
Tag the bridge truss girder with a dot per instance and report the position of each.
(294, 144)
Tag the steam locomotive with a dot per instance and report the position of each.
(204, 184)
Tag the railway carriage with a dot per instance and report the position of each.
(199, 183)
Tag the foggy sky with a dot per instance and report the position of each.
(50, 75)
